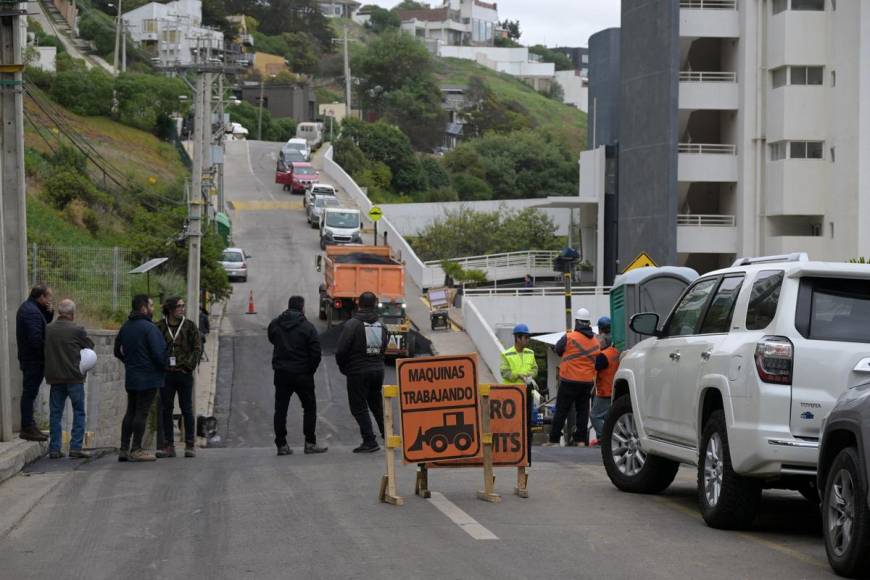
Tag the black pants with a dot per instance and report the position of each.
(33, 375)
(138, 406)
(182, 384)
(579, 394)
(364, 395)
(303, 385)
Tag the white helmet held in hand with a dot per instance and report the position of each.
(88, 360)
(583, 315)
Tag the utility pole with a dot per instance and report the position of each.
(346, 77)
(13, 213)
(123, 47)
(220, 140)
(194, 227)
(118, 36)
(260, 112)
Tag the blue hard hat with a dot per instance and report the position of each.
(521, 329)
(604, 321)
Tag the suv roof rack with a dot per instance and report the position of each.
(794, 257)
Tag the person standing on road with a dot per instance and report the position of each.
(30, 322)
(64, 342)
(142, 349)
(605, 371)
(204, 327)
(360, 357)
(580, 354)
(295, 358)
(184, 350)
(518, 364)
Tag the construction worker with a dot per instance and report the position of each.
(581, 356)
(518, 364)
(604, 378)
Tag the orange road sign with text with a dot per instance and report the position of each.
(440, 408)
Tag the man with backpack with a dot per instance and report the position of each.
(360, 357)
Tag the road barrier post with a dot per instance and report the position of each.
(388, 492)
(488, 493)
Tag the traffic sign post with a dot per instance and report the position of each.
(388, 493)
(375, 214)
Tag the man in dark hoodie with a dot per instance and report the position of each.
(581, 358)
(360, 356)
(30, 322)
(295, 359)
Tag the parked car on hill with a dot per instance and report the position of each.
(235, 262)
(320, 203)
(317, 189)
(298, 177)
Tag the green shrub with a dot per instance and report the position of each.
(85, 93)
(64, 185)
(471, 188)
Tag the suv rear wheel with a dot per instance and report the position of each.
(628, 466)
(727, 500)
(845, 517)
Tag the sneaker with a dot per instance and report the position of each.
(313, 448)
(123, 455)
(367, 448)
(166, 452)
(285, 450)
(549, 444)
(141, 455)
(79, 454)
(594, 443)
(32, 434)
(55, 454)
(189, 450)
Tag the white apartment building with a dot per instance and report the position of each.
(516, 62)
(744, 130)
(454, 23)
(173, 31)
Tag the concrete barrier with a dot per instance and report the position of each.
(487, 343)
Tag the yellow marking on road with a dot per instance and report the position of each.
(265, 205)
(771, 545)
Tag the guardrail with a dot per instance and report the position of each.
(707, 77)
(539, 291)
(706, 220)
(709, 4)
(707, 148)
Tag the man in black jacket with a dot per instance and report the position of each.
(360, 356)
(30, 322)
(295, 359)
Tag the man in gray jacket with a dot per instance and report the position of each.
(64, 341)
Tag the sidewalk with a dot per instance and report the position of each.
(16, 454)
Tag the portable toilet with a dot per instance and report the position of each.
(224, 228)
(645, 290)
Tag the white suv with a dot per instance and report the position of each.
(738, 380)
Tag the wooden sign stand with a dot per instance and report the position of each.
(388, 492)
(422, 486)
(522, 488)
(488, 493)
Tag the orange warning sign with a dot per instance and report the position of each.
(439, 406)
(509, 423)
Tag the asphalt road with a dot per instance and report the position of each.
(242, 512)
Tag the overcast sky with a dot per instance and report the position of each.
(551, 22)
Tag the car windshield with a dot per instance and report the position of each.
(323, 190)
(232, 256)
(293, 155)
(391, 309)
(325, 202)
(342, 219)
(296, 146)
(304, 170)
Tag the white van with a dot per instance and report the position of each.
(312, 133)
(339, 225)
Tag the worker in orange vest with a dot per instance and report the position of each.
(604, 378)
(581, 357)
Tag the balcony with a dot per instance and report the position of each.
(796, 187)
(709, 18)
(797, 112)
(706, 234)
(709, 91)
(707, 162)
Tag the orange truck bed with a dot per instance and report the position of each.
(351, 270)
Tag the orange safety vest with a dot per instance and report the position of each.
(604, 380)
(578, 360)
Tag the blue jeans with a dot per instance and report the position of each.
(56, 403)
(600, 409)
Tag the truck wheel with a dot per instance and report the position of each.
(845, 517)
(322, 244)
(462, 441)
(438, 443)
(727, 500)
(628, 466)
(411, 341)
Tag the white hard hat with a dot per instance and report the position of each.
(583, 314)
(88, 360)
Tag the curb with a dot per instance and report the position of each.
(19, 455)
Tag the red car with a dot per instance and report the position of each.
(298, 177)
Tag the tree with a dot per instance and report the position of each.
(561, 60)
(301, 52)
(416, 109)
(279, 16)
(471, 188)
(145, 99)
(382, 20)
(485, 112)
(512, 27)
(437, 177)
(86, 93)
(409, 5)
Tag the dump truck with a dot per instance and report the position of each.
(350, 270)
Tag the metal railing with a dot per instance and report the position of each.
(712, 220)
(528, 259)
(539, 291)
(709, 4)
(707, 77)
(707, 148)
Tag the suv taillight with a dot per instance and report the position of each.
(774, 356)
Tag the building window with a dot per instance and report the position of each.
(777, 151)
(805, 150)
(779, 77)
(833, 78)
(816, 5)
(779, 6)
(807, 75)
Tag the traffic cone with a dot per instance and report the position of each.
(251, 309)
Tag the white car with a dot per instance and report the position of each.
(320, 203)
(299, 145)
(317, 189)
(737, 381)
(234, 261)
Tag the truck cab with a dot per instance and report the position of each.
(339, 226)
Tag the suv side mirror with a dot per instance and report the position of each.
(318, 262)
(646, 323)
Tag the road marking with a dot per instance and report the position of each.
(264, 205)
(251, 169)
(467, 523)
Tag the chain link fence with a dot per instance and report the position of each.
(96, 278)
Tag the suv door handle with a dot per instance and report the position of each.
(675, 356)
(706, 355)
